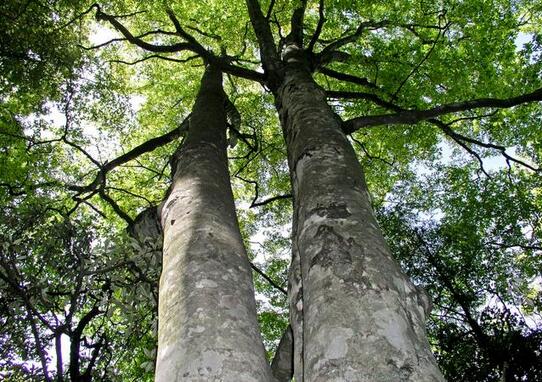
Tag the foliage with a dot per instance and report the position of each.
(73, 302)
(460, 212)
(475, 252)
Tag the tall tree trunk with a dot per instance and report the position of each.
(208, 329)
(355, 315)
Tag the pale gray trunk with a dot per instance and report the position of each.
(355, 315)
(208, 329)
(282, 365)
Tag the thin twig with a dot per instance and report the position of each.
(269, 279)
(319, 26)
(270, 200)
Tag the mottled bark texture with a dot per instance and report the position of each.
(355, 315)
(282, 365)
(146, 228)
(208, 329)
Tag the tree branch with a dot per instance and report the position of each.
(270, 200)
(319, 26)
(191, 44)
(363, 95)
(442, 126)
(154, 56)
(347, 77)
(515, 245)
(59, 360)
(270, 10)
(419, 64)
(75, 343)
(268, 49)
(256, 193)
(458, 137)
(146, 147)
(462, 299)
(198, 48)
(118, 39)
(81, 150)
(79, 16)
(334, 46)
(123, 215)
(100, 15)
(12, 279)
(269, 279)
(367, 154)
(410, 117)
(296, 23)
(12, 190)
(238, 71)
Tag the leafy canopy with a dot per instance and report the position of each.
(88, 125)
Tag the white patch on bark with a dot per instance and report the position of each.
(212, 362)
(393, 328)
(312, 221)
(193, 332)
(205, 283)
(338, 346)
(299, 168)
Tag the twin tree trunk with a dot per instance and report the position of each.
(207, 328)
(354, 315)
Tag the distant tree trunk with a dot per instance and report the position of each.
(282, 365)
(208, 330)
(355, 315)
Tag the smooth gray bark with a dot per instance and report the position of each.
(354, 314)
(282, 365)
(208, 329)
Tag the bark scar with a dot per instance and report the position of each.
(333, 211)
(335, 249)
(171, 202)
(307, 153)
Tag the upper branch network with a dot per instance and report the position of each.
(331, 51)
(188, 43)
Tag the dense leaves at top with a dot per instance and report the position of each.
(88, 121)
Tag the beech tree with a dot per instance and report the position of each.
(331, 110)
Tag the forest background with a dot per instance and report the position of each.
(88, 127)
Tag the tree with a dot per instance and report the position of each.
(377, 76)
(207, 314)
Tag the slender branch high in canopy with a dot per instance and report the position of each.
(319, 27)
(410, 117)
(141, 43)
(191, 40)
(464, 140)
(268, 49)
(348, 77)
(190, 44)
(328, 51)
(143, 148)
